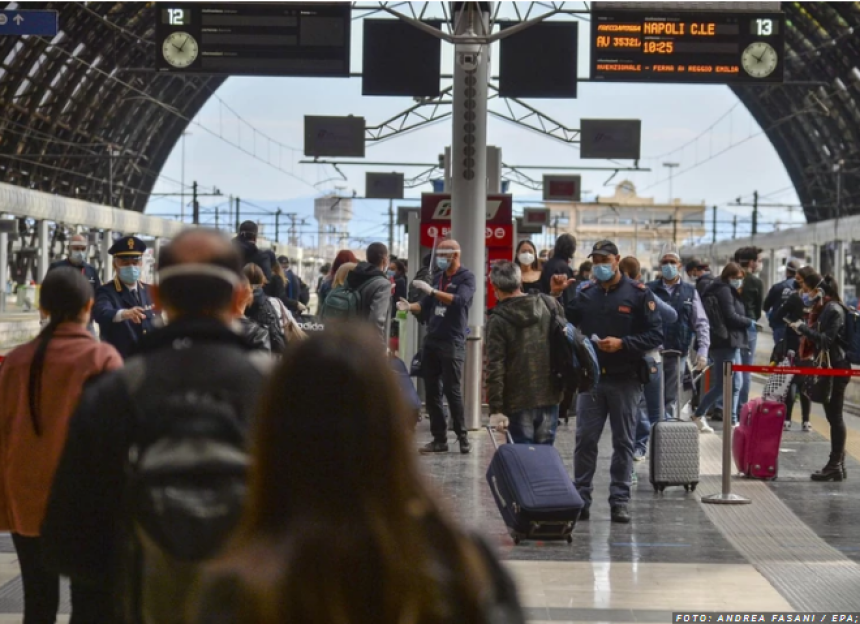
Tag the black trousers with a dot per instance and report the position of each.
(833, 411)
(795, 394)
(442, 368)
(90, 605)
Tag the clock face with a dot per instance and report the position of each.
(180, 49)
(759, 59)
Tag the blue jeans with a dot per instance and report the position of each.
(719, 356)
(649, 411)
(747, 357)
(534, 426)
(618, 399)
(778, 334)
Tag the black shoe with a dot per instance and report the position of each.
(620, 514)
(717, 415)
(585, 514)
(434, 447)
(465, 445)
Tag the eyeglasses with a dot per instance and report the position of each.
(665, 262)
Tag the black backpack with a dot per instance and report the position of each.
(263, 314)
(573, 361)
(186, 484)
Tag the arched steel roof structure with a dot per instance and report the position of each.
(70, 102)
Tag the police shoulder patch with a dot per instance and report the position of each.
(586, 286)
(652, 306)
(641, 286)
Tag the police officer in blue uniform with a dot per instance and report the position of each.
(123, 308)
(621, 316)
(778, 295)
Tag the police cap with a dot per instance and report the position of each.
(604, 248)
(128, 246)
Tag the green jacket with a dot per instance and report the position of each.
(519, 372)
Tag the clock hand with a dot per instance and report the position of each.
(176, 46)
(183, 43)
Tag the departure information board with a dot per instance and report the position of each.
(253, 39)
(687, 47)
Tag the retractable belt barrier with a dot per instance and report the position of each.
(726, 497)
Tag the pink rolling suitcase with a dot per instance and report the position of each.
(755, 442)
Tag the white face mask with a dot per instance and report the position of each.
(526, 258)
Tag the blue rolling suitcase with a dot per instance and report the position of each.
(406, 385)
(533, 491)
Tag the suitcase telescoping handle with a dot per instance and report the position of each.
(493, 437)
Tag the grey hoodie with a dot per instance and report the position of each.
(518, 357)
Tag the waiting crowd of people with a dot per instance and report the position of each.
(176, 471)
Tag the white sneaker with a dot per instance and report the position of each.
(703, 425)
(806, 427)
(786, 426)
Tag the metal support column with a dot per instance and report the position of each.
(412, 326)
(469, 186)
(839, 265)
(4, 266)
(447, 172)
(773, 269)
(43, 259)
(494, 169)
(107, 263)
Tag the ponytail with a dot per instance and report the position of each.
(64, 295)
(831, 288)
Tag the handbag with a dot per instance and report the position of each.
(819, 388)
(417, 361)
(292, 331)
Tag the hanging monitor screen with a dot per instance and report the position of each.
(683, 46)
(253, 39)
(540, 61)
(400, 59)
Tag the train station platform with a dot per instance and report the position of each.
(794, 548)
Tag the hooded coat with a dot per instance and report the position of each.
(375, 297)
(519, 374)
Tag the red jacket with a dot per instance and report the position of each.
(28, 461)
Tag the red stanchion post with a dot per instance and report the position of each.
(726, 497)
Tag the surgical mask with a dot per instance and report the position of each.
(443, 263)
(129, 274)
(809, 299)
(77, 257)
(526, 258)
(390, 273)
(736, 283)
(603, 272)
(670, 271)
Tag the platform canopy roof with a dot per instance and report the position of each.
(84, 112)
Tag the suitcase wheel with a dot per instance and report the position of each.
(693, 486)
(570, 539)
(687, 488)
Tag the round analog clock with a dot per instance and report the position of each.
(759, 59)
(180, 49)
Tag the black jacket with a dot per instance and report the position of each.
(557, 266)
(263, 258)
(703, 282)
(793, 309)
(730, 316)
(400, 291)
(828, 333)
(262, 312)
(776, 297)
(424, 274)
(82, 534)
(752, 294)
(256, 335)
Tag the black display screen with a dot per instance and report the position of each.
(681, 46)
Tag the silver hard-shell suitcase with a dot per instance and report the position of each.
(674, 452)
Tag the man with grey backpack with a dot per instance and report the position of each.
(153, 476)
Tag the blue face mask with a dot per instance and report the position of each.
(670, 271)
(736, 283)
(129, 274)
(443, 263)
(390, 273)
(603, 272)
(77, 257)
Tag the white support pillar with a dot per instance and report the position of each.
(469, 187)
(447, 172)
(43, 257)
(412, 326)
(839, 266)
(107, 263)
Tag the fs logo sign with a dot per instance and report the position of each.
(443, 210)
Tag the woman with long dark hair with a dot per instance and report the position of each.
(337, 505)
(825, 332)
(40, 384)
(526, 258)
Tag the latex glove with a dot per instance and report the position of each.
(797, 325)
(701, 363)
(499, 422)
(423, 286)
(403, 305)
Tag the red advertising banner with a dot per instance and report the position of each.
(436, 227)
(436, 220)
